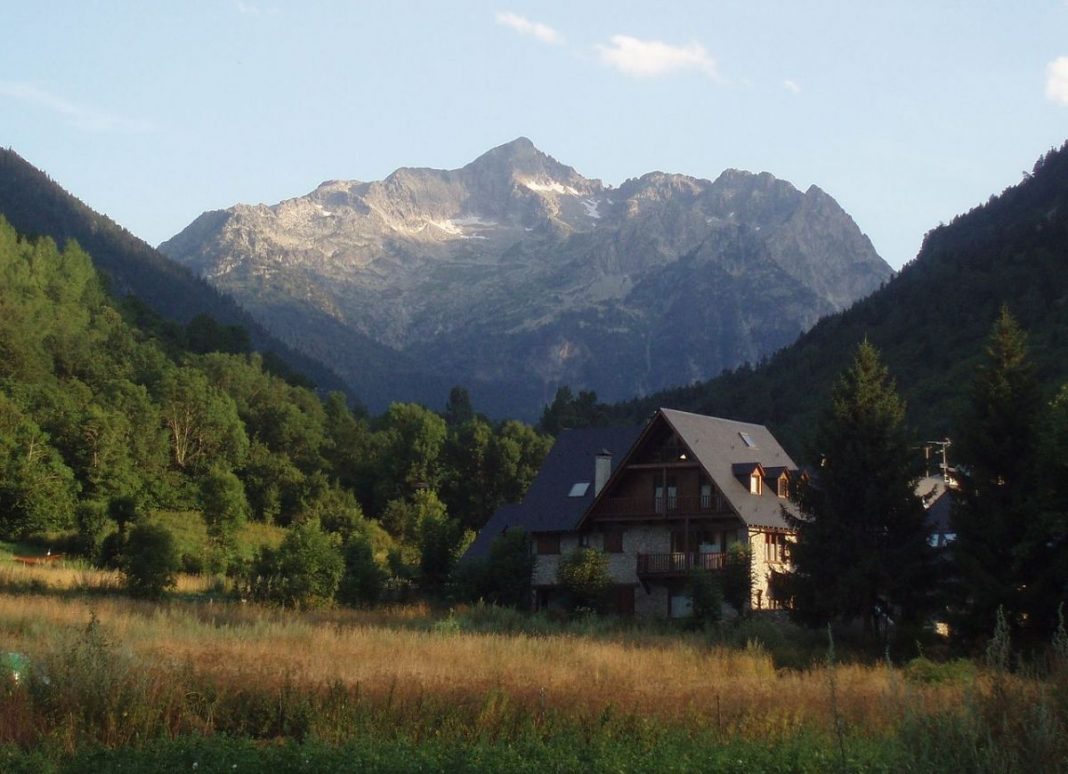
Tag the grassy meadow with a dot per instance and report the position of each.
(116, 684)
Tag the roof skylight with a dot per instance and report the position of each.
(578, 489)
(748, 439)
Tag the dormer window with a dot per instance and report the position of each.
(755, 483)
(784, 486)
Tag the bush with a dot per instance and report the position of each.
(109, 555)
(707, 595)
(923, 670)
(363, 579)
(92, 520)
(305, 571)
(585, 578)
(150, 561)
(738, 577)
(505, 576)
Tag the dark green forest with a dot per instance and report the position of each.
(35, 205)
(108, 413)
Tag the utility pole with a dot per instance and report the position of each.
(943, 445)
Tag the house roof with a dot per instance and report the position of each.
(936, 498)
(503, 519)
(548, 506)
(721, 444)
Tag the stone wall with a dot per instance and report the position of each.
(762, 569)
(653, 539)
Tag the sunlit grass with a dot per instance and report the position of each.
(681, 682)
(76, 575)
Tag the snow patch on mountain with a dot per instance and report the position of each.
(553, 186)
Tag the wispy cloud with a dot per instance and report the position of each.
(524, 26)
(1057, 80)
(81, 116)
(791, 86)
(251, 9)
(654, 58)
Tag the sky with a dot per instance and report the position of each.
(908, 113)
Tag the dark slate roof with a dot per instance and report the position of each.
(546, 506)
(744, 468)
(938, 501)
(717, 444)
(500, 522)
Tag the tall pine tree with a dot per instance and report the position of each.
(862, 534)
(1043, 554)
(996, 501)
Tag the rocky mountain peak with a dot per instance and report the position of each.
(520, 163)
(515, 274)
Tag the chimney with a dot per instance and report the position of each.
(602, 469)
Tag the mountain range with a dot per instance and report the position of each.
(515, 274)
(930, 322)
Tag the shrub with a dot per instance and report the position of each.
(91, 517)
(109, 555)
(149, 561)
(585, 578)
(304, 571)
(923, 670)
(362, 581)
(505, 576)
(707, 595)
(738, 577)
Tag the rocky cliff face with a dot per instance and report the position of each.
(515, 274)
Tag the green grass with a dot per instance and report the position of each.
(563, 752)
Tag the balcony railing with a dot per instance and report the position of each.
(679, 563)
(663, 505)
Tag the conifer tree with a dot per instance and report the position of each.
(862, 534)
(1043, 554)
(997, 445)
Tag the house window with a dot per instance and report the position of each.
(754, 483)
(784, 486)
(748, 440)
(774, 547)
(706, 497)
(547, 544)
(666, 498)
(613, 541)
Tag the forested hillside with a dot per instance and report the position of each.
(36, 206)
(95, 412)
(930, 321)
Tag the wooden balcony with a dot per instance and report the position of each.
(662, 507)
(679, 563)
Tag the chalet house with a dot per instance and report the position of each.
(660, 500)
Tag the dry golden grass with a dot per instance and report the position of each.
(681, 682)
(75, 576)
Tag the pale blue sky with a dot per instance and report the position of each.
(907, 113)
